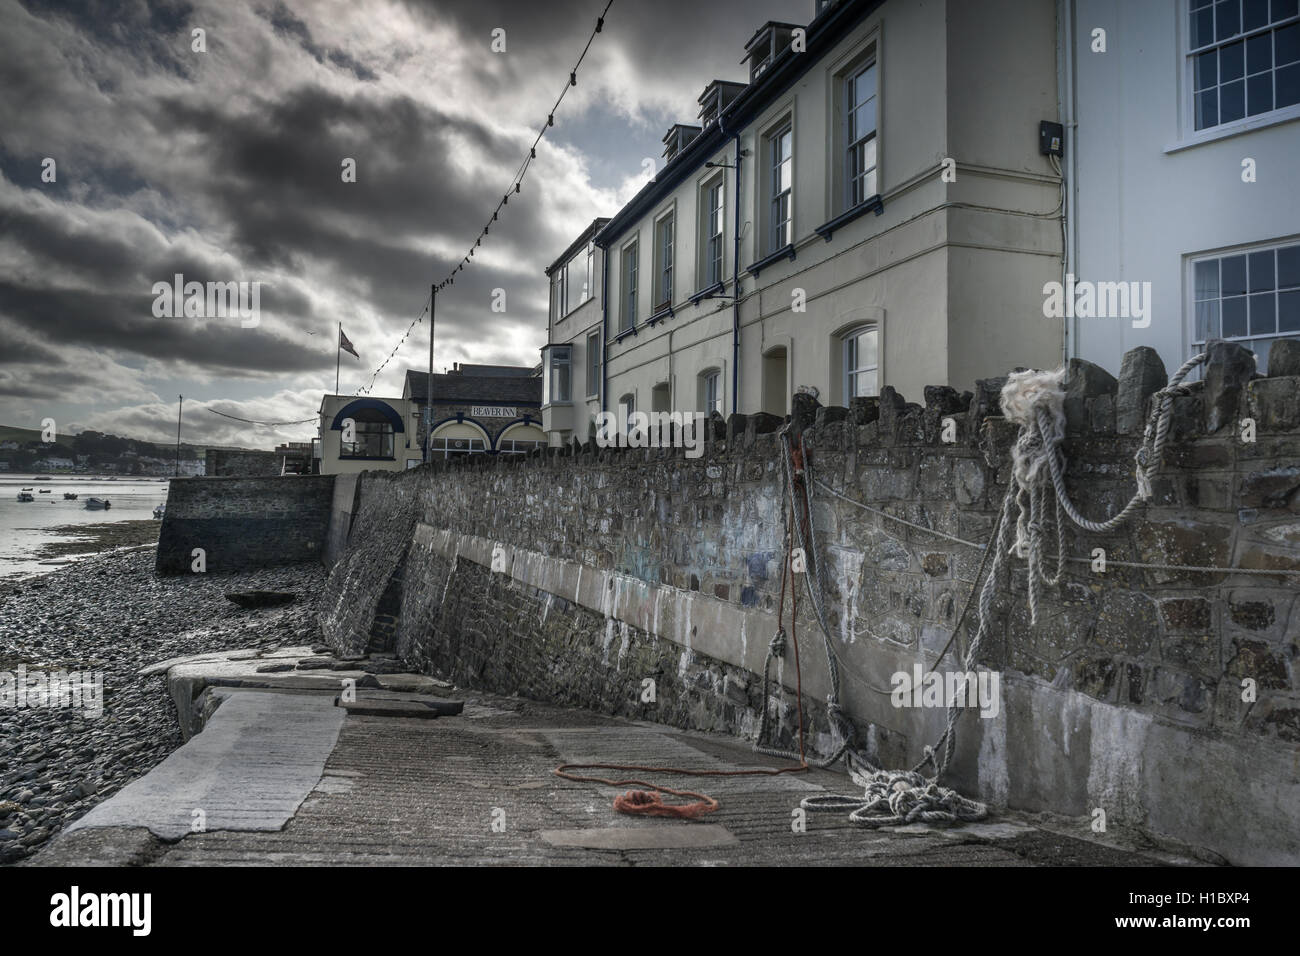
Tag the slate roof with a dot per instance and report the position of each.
(485, 389)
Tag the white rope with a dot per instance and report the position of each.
(1035, 401)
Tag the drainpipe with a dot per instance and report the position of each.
(735, 283)
(1069, 168)
(604, 327)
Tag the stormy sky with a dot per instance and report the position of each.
(225, 166)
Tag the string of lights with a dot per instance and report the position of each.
(250, 421)
(516, 184)
(514, 188)
(405, 335)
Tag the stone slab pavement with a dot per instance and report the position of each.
(248, 770)
(478, 789)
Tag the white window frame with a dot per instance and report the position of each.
(711, 389)
(593, 364)
(848, 347)
(629, 267)
(665, 242)
(557, 356)
(713, 260)
(1251, 339)
(780, 226)
(851, 141)
(1189, 55)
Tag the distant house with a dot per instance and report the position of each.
(478, 408)
(55, 464)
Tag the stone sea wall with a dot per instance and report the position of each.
(244, 523)
(1166, 698)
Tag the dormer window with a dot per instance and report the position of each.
(677, 139)
(715, 98)
(771, 40)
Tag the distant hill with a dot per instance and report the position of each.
(188, 449)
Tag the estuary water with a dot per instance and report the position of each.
(26, 526)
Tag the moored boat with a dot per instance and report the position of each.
(159, 511)
(43, 491)
(98, 503)
(24, 496)
(69, 496)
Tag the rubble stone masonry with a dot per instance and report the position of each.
(577, 575)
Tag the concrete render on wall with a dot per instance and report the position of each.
(1048, 749)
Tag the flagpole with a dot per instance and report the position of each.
(338, 347)
(180, 404)
(428, 393)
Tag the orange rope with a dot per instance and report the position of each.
(649, 801)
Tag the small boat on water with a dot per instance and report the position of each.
(24, 496)
(69, 496)
(159, 511)
(98, 503)
(43, 491)
(28, 488)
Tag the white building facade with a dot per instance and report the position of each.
(1182, 148)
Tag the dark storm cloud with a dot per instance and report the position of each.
(116, 321)
(225, 166)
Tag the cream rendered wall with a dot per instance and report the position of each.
(1004, 228)
(1152, 191)
(331, 439)
(954, 286)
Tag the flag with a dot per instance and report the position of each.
(345, 345)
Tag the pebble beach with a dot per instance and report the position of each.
(111, 615)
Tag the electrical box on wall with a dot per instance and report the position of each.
(1051, 139)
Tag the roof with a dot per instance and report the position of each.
(769, 25)
(522, 371)
(488, 389)
(597, 224)
(827, 29)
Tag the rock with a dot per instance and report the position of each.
(985, 403)
(1284, 357)
(803, 413)
(864, 410)
(383, 666)
(274, 668)
(1141, 375)
(1274, 403)
(1084, 381)
(1227, 370)
(6, 835)
(255, 599)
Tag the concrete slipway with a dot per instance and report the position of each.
(279, 775)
